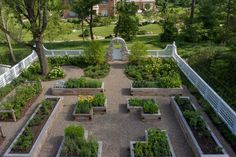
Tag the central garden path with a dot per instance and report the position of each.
(117, 127)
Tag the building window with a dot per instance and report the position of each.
(104, 1)
(104, 13)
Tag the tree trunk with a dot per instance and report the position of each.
(228, 13)
(91, 23)
(42, 57)
(117, 27)
(83, 29)
(192, 12)
(8, 39)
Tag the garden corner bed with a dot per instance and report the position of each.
(89, 105)
(149, 108)
(157, 144)
(84, 146)
(198, 134)
(154, 76)
(14, 107)
(79, 86)
(33, 135)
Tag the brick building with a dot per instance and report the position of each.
(107, 7)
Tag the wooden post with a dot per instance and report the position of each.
(1, 132)
(13, 115)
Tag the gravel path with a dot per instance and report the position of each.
(116, 128)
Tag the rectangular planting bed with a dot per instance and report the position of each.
(149, 108)
(88, 105)
(77, 134)
(14, 106)
(30, 139)
(78, 87)
(154, 138)
(198, 134)
(154, 91)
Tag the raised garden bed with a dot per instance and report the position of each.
(154, 91)
(15, 106)
(157, 144)
(154, 76)
(33, 135)
(148, 108)
(197, 132)
(88, 105)
(78, 87)
(87, 147)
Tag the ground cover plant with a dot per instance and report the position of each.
(156, 146)
(85, 103)
(154, 73)
(82, 83)
(75, 143)
(26, 140)
(149, 105)
(24, 94)
(198, 127)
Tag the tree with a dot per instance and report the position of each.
(192, 12)
(5, 26)
(138, 52)
(36, 13)
(79, 7)
(127, 25)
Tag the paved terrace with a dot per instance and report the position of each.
(116, 128)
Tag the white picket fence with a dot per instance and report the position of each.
(219, 105)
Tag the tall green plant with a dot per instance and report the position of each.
(95, 53)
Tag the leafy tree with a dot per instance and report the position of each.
(127, 25)
(4, 15)
(170, 30)
(79, 7)
(138, 52)
(36, 13)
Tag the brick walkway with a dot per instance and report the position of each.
(116, 128)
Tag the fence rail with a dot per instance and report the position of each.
(226, 113)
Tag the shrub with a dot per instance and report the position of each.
(82, 83)
(138, 52)
(76, 146)
(55, 73)
(95, 53)
(97, 71)
(74, 131)
(83, 106)
(170, 31)
(99, 100)
(150, 108)
(157, 145)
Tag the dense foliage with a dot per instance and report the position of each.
(138, 52)
(56, 73)
(22, 97)
(97, 71)
(76, 145)
(32, 130)
(82, 83)
(198, 127)
(154, 72)
(157, 145)
(85, 103)
(149, 105)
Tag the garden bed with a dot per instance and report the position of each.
(157, 144)
(32, 136)
(154, 76)
(15, 106)
(77, 134)
(88, 105)
(197, 132)
(78, 87)
(148, 108)
(154, 91)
